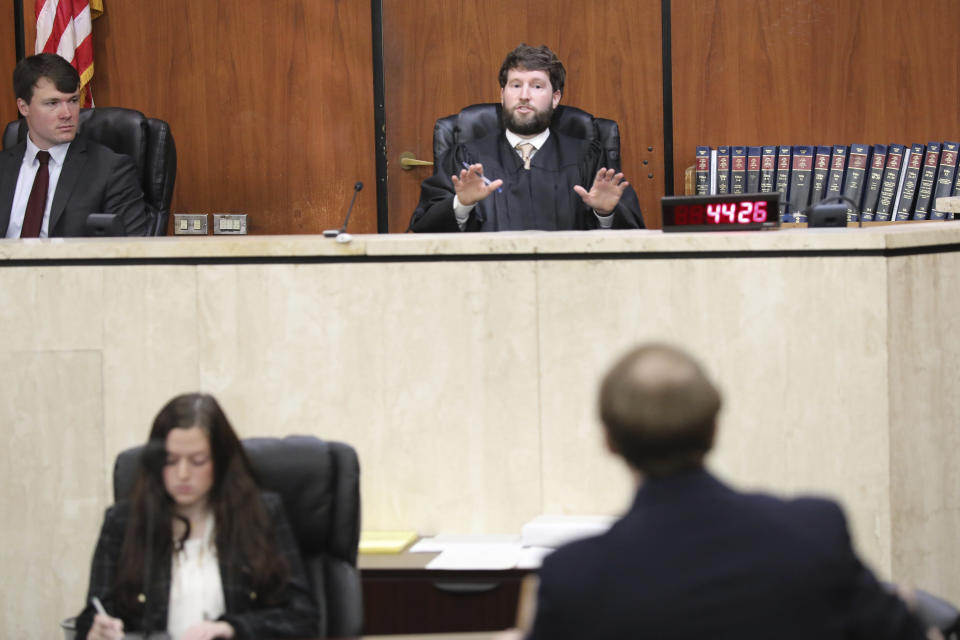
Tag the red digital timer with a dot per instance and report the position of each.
(721, 212)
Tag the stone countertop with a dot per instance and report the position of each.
(870, 238)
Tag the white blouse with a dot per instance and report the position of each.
(196, 591)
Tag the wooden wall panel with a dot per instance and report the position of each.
(813, 72)
(442, 55)
(271, 104)
(8, 60)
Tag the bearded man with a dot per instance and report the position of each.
(526, 176)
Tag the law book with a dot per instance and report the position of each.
(874, 178)
(723, 169)
(891, 179)
(956, 184)
(783, 177)
(801, 176)
(821, 167)
(703, 171)
(838, 165)
(912, 165)
(945, 175)
(738, 169)
(754, 155)
(854, 178)
(928, 178)
(768, 169)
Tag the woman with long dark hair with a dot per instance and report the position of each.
(198, 550)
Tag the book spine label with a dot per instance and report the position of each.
(723, 170)
(853, 182)
(891, 176)
(838, 164)
(908, 195)
(768, 169)
(738, 170)
(801, 176)
(874, 179)
(783, 177)
(703, 171)
(928, 179)
(948, 167)
(753, 169)
(821, 168)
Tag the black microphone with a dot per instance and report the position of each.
(341, 234)
(154, 456)
(153, 459)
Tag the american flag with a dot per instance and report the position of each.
(64, 27)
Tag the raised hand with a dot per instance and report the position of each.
(605, 192)
(470, 187)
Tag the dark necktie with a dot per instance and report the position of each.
(33, 217)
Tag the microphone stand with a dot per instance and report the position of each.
(341, 234)
(154, 457)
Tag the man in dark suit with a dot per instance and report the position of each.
(527, 176)
(694, 558)
(53, 180)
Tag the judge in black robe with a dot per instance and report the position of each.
(540, 198)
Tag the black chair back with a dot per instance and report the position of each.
(147, 140)
(319, 482)
(480, 120)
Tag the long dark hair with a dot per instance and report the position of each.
(243, 530)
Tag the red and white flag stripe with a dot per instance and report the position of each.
(65, 27)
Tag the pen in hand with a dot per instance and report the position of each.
(98, 606)
(485, 179)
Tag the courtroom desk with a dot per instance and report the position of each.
(464, 368)
(400, 595)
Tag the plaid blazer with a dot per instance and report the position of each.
(296, 616)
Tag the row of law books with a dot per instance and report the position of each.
(876, 182)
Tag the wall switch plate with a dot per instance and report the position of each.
(230, 224)
(189, 224)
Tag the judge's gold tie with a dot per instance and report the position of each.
(526, 152)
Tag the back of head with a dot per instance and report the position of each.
(44, 65)
(534, 59)
(659, 409)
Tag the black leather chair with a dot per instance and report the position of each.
(480, 120)
(147, 140)
(319, 482)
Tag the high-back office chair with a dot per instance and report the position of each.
(147, 140)
(319, 482)
(480, 120)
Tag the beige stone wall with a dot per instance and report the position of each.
(467, 383)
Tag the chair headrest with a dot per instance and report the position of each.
(480, 120)
(318, 480)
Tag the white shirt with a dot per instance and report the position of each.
(196, 589)
(28, 172)
(462, 211)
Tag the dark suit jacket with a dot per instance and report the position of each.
(693, 559)
(94, 179)
(250, 617)
(541, 198)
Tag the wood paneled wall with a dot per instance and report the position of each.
(442, 55)
(813, 72)
(270, 103)
(8, 59)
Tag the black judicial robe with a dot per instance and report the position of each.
(541, 198)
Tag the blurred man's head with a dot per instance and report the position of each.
(48, 96)
(659, 410)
